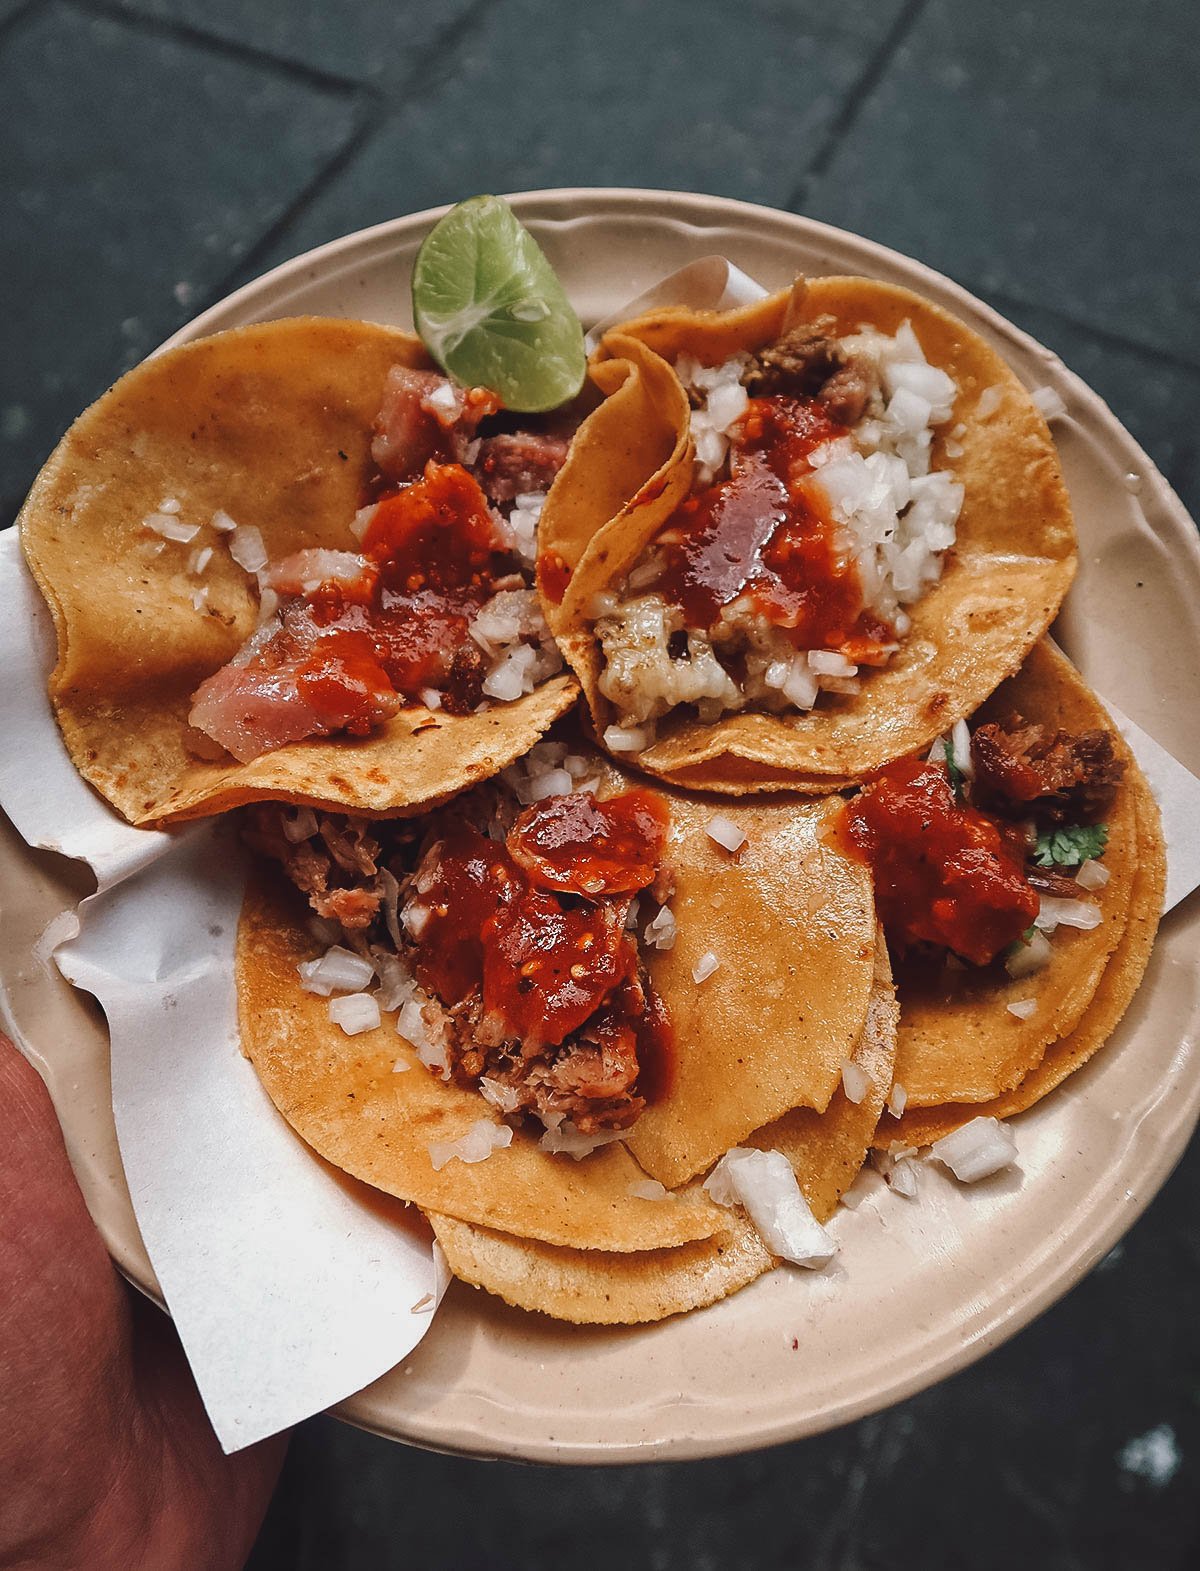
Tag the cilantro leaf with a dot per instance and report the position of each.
(1070, 846)
(953, 768)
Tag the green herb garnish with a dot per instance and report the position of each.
(1070, 846)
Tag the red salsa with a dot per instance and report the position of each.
(767, 532)
(545, 961)
(434, 557)
(944, 872)
(584, 847)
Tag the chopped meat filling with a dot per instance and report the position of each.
(1028, 771)
(809, 362)
(513, 927)
(515, 463)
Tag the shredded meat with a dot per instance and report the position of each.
(464, 683)
(513, 463)
(1053, 777)
(341, 845)
(808, 363)
(589, 1076)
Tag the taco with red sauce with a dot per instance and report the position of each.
(803, 538)
(295, 562)
(1018, 874)
(561, 1000)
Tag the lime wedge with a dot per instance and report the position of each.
(491, 311)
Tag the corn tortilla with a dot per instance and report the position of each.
(958, 1042)
(1014, 560)
(597, 1288)
(272, 425)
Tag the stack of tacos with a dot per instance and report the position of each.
(660, 805)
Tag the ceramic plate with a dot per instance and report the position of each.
(919, 1289)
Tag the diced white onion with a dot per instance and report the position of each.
(1022, 1007)
(1025, 959)
(247, 549)
(648, 1189)
(763, 1183)
(200, 598)
(563, 1139)
(725, 832)
(337, 970)
(1092, 875)
(170, 527)
(705, 966)
(302, 825)
(902, 1178)
(856, 1083)
(199, 559)
(662, 931)
(977, 1150)
(1049, 402)
(361, 521)
(401, 1067)
(989, 401)
(431, 698)
(170, 504)
(1057, 912)
(897, 1100)
(827, 662)
(506, 1098)
(476, 1145)
(222, 523)
(555, 782)
(355, 1012)
(625, 739)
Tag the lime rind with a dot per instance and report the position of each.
(491, 310)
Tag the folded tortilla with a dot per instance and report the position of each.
(271, 424)
(827, 1151)
(1002, 583)
(961, 1052)
(792, 923)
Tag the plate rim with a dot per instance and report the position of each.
(1019, 1306)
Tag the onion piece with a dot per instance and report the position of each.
(476, 1145)
(856, 1082)
(1022, 1007)
(222, 523)
(355, 1013)
(705, 966)
(648, 1189)
(725, 832)
(977, 1150)
(897, 1100)
(1049, 403)
(563, 1139)
(662, 931)
(247, 549)
(1028, 958)
(1092, 875)
(626, 739)
(1057, 912)
(763, 1183)
(337, 970)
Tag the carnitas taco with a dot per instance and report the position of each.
(572, 996)
(295, 562)
(803, 538)
(1018, 875)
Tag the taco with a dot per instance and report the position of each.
(294, 562)
(1018, 875)
(585, 992)
(803, 538)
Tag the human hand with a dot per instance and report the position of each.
(107, 1457)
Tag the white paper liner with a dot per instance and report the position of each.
(289, 1292)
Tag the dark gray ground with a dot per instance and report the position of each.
(158, 152)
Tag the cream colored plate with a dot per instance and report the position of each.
(920, 1289)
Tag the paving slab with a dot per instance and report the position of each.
(1046, 151)
(383, 41)
(130, 200)
(537, 93)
